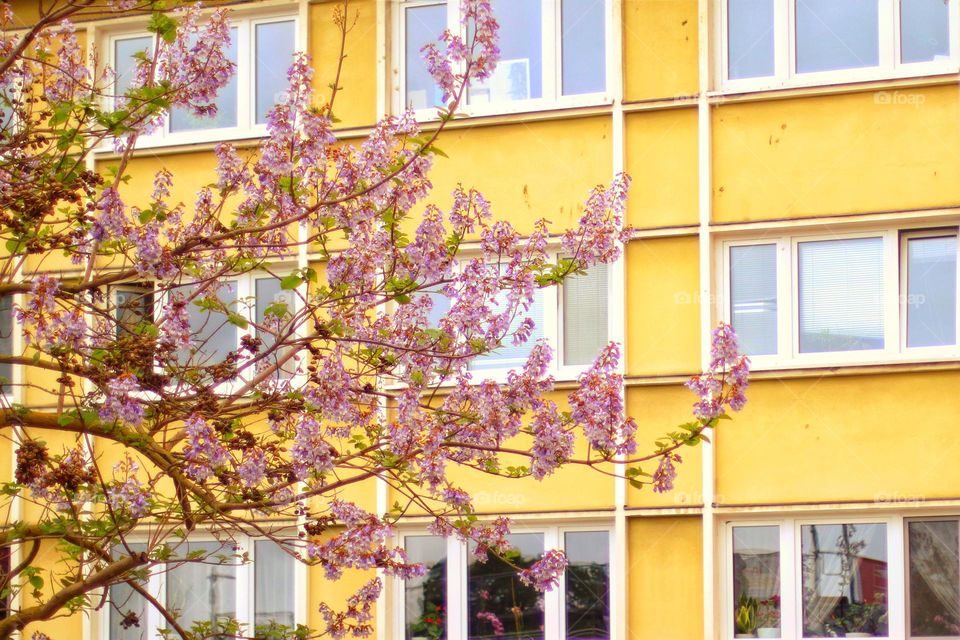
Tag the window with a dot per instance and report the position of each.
(487, 600)
(262, 49)
(846, 298)
(933, 578)
(6, 342)
(262, 592)
(777, 43)
(552, 52)
(812, 579)
(573, 318)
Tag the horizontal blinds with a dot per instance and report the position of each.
(753, 297)
(585, 315)
(841, 295)
(508, 355)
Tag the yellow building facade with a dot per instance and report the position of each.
(796, 172)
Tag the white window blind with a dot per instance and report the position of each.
(273, 590)
(841, 295)
(753, 297)
(931, 291)
(584, 316)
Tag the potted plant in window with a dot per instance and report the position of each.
(859, 620)
(768, 618)
(430, 625)
(745, 617)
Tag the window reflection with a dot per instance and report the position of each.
(587, 581)
(498, 604)
(425, 596)
(934, 578)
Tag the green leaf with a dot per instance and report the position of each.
(237, 320)
(164, 26)
(36, 582)
(291, 281)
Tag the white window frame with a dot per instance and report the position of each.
(791, 574)
(244, 592)
(895, 298)
(554, 614)
(246, 127)
(552, 64)
(12, 392)
(246, 307)
(785, 47)
(552, 328)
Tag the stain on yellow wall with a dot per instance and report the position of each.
(660, 48)
(850, 153)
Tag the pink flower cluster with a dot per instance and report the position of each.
(725, 383)
(544, 574)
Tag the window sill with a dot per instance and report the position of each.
(520, 107)
(946, 358)
(828, 84)
(189, 141)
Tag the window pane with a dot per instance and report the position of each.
(498, 604)
(844, 569)
(508, 355)
(425, 596)
(750, 39)
(134, 307)
(588, 584)
(274, 51)
(213, 337)
(837, 35)
(753, 297)
(202, 591)
(6, 339)
(931, 291)
(756, 577)
(128, 609)
(124, 64)
(182, 119)
(583, 43)
(423, 25)
(270, 295)
(519, 73)
(934, 581)
(924, 30)
(273, 586)
(841, 295)
(585, 315)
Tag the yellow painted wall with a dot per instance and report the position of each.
(528, 170)
(850, 153)
(842, 438)
(657, 411)
(356, 101)
(664, 579)
(662, 308)
(661, 150)
(660, 48)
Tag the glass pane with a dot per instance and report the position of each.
(270, 295)
(931, 291)
(520, 70)
(182, 119)
(924, 30)
(425, 596)
(837, 35)
(588, 584)
(274, 599)
(6, 335)
(841, 295)
(583, 43)
(423, 25)
(134, 308)
(934, 578)
(128, 609)
(756, 580)
(750, 39)
(585, 315)
(844, 568)
(753, 297)
(124, 64)
(498, 604)
(202, 591)
(274, 53)
(508, 355)
(213, 337)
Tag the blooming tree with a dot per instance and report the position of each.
(347, 378)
